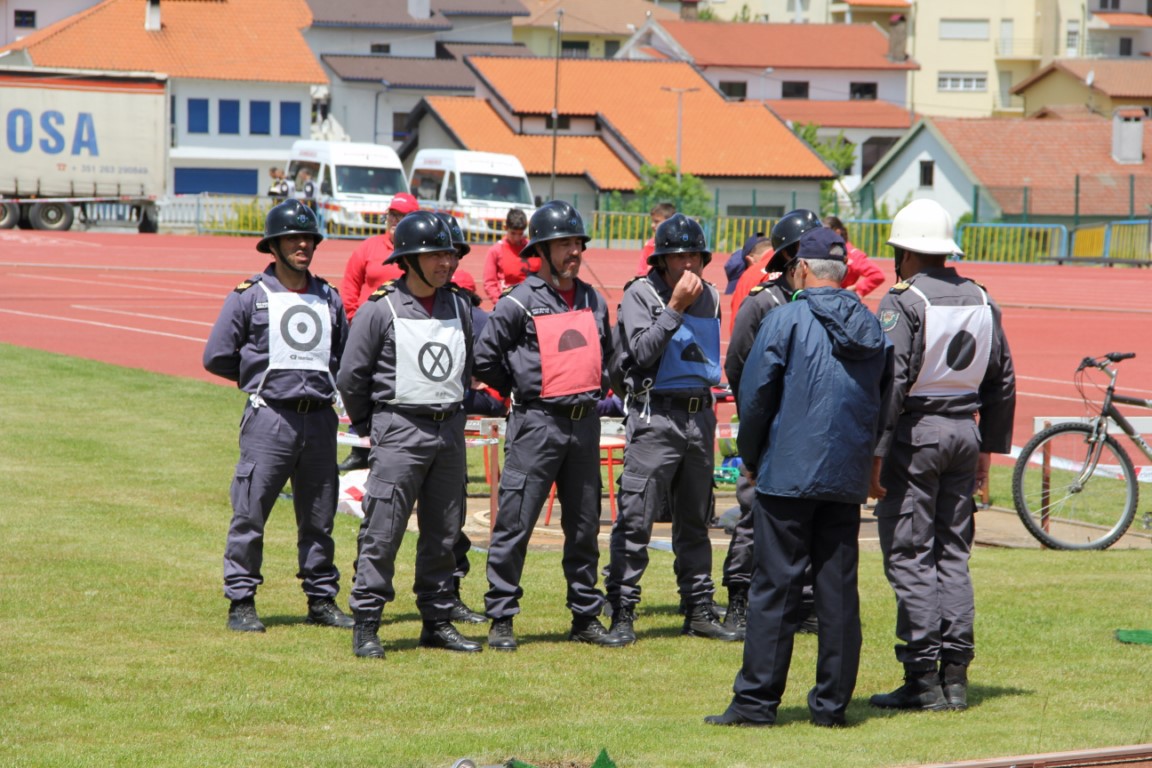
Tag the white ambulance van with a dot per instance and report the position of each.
(353, 182)
(478, 188)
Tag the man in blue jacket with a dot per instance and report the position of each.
(810, 398)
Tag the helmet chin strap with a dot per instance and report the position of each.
(414, 266)
(275, 248)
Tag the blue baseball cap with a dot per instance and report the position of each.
(822, 243)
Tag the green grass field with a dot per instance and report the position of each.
(113, 650)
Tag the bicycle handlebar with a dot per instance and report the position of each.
(1102, 362)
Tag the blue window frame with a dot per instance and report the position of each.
(229, 181)
(289, 118)
(260, 118)
(197, 115)
(229, 116)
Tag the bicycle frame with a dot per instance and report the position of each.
(1109, 411)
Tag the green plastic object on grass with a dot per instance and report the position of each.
(1136, 636)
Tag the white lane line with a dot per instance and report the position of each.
(117, 282)
(142, 315)
(102, 325)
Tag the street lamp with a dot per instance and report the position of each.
(679, 121)
(556, 104)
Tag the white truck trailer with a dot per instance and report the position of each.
(81, 144)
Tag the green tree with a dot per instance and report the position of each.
(658, 184)
(838, 152)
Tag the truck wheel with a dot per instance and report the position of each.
(9, 215)
(52, 216)
(149, 220)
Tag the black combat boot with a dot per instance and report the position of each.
(441, 634)
(921, 690)
(702, 621)
(622, 621)
(954, 682)
(500, 636)
(736, 619)
(357, 459)
(588, 629)
(323, 611)
(242, 616)
(461, 613)
(365, 640)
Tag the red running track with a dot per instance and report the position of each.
(148, 301)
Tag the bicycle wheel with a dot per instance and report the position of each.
(1061, 502)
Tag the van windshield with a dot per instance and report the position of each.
(367, 180)
(498, 189)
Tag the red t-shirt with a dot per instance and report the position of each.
(366, 271)
(648, 249)
(503, 267)
(752, 277)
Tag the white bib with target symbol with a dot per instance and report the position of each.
(429, 360)
(957, 348)
(299, 332)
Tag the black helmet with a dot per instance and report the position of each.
(290, 217)
(420, 232)
(554, 220)
(787, 232)
(680, 234)
(458, 240)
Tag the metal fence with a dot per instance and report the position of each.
(1117, 242)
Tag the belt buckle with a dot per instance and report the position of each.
(694, 404)
(303, 406)
(439, 416)
(577, 412)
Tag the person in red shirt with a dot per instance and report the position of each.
(785, 237)
(863, 275)
(503, 266)
(660, 213)
(366, 270)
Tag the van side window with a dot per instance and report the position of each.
(426, 184)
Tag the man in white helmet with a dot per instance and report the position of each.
(952, 363)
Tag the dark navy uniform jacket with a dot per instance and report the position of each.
(902, 314)
(237, 347)
(508, 352)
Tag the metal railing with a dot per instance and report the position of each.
(1013, 243)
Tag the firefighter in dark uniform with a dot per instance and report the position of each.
(405, 370)
(279, 336)
(669, 328)
(952, 363)
(461, 612)
(772, 293)
(545, 343)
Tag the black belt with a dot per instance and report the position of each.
(690, 404)
(574, 412)
(303, 405)
(433, 415)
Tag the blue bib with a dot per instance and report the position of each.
(692, 358)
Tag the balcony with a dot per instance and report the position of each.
(1018, 48)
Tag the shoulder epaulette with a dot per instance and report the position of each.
(980, 284)
(382, 291)
(320, 280)
(452, 287)
(900, 287)
(758, 288)
(638, 277)
(247, 284)
(507, 290)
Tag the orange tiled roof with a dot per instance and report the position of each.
(719, 137)
(785, 46)
(204, 39)
(843, 114)
(475, 125)
(1045, 156)
(593, 17)
(1118, 78)
(1124, 19)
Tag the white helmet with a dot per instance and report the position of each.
(923, 226)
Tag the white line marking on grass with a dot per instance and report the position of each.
(102, 325)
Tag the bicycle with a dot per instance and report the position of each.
(1074, 485)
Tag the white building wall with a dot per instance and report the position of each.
(478, 29)
(899, 181)
(244, 92)
(823, 84)
(359, 42)
(48, 12)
